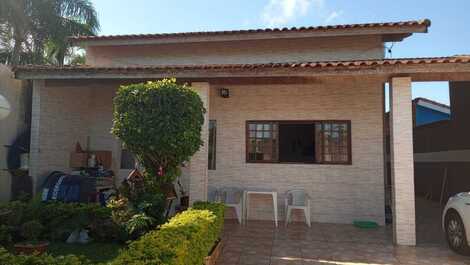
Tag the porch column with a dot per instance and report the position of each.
(401, 152)
(34, 150)
(198, 172)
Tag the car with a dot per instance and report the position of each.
(456, 222)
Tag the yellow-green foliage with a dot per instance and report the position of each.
(184, 240)
(7, 258)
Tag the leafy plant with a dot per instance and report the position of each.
(45, 259)
(60, 219)
(34, 31)
(160, 123)
(139, 224)
(5, 235)
(184, 240)
(32, 231)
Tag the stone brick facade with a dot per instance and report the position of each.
(71, 112)
(340, 193)
(401, 125)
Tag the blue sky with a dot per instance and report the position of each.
(448, 34)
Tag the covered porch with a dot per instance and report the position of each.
(73, 104)
(260, 243)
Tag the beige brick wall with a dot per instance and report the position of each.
(198, 171)
(64, 113)
(259, 51)
(403, 193)
(340, 193)
(59, 120)
(70, 111)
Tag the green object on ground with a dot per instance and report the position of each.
(365, 224)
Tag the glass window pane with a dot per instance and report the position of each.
(252, 126)
(212, 144)
(267, 126)
(333, 141)
(259, 127)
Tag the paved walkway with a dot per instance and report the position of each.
(260, 243)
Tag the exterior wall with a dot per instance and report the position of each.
(236, 52)
(13, 91)
(198, 170)
(401, 151)
(68, 111)
(340, 193)
(64, 113)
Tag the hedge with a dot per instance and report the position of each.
(7, 258)
(59, 219)
(184, 240)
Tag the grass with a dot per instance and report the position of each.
(95, 251)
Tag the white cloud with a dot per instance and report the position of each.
(332, 16)
(281, 12)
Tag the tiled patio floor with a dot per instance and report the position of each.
(260, 243)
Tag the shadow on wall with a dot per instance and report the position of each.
(18, 94)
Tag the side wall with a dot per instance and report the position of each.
(340, 193)
(237, 52)
(68, 112)
(13, 91)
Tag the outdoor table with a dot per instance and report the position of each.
(246, 196)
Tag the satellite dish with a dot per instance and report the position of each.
(5, 107)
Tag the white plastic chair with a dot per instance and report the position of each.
(212, 194)
(233, 198)
(297, 199)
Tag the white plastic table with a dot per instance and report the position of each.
(246, 196)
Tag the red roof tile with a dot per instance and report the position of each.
(401, 24)
(313, 65)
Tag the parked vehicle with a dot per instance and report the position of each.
(456, 222)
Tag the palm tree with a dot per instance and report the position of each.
(36, 31)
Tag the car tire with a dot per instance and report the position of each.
(455, 233)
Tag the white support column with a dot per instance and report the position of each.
(34, 150)
(401, 146)
(198, 171)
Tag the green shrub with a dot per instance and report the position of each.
(184, 240)
(32, 231)
(6, 235)
(7, 258)
(59, 219)
(160, 123)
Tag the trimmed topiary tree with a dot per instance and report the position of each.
(160, 123)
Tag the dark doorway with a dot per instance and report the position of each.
(297, 143)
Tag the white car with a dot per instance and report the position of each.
(456, 222)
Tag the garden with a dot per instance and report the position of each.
(160, 123)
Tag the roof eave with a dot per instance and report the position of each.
(387, 34)
(418, 72)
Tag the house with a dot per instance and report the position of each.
(427, 111)
(289, 108)
(442, 150)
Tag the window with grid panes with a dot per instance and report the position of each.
(323, 142)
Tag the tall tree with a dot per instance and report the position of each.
(36, 31)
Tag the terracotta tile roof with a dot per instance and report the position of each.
(312, 65)
(385, 25)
